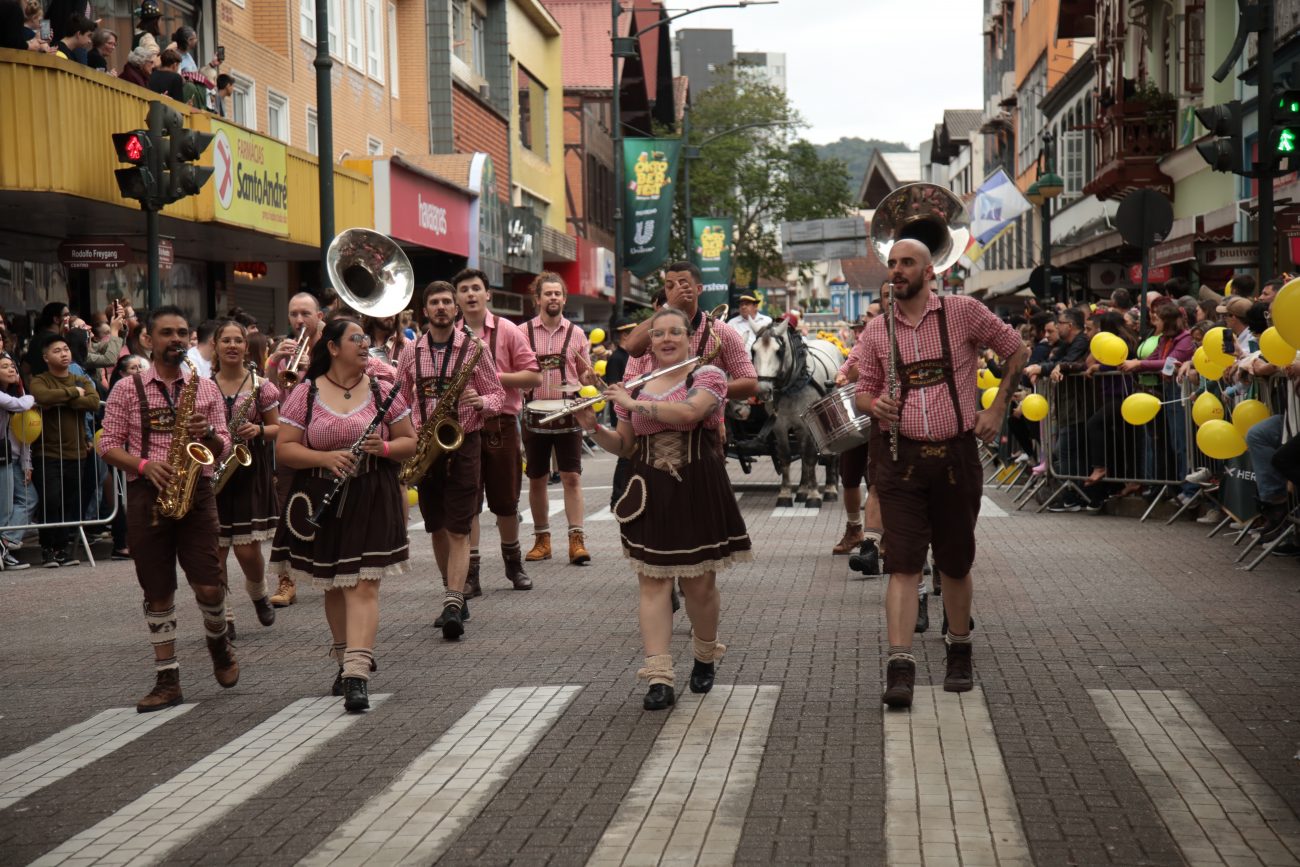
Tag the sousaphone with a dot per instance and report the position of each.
(927, 213)
(370, 272)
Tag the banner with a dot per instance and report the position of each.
(997, 202)
(250, 180)
(649, 168)
(711, 246)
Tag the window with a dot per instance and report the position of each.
(243, 103)
(1194, 47)
(393, 50)
(313, 132)
(374, 40)
(355, 34)
(1072, 154)
(307, 20)
(459, 37)
(336, 14)
(374, 147)
(480, 43)
(532, 113)
(277, 116)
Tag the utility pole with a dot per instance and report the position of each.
(325, 131)
(1266, 144)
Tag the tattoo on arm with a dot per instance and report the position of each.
(642, 408)
(654, 411)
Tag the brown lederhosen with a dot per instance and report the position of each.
(192, 540)
(499, 470)
(448, 495)
(930, 497)
(567, 446)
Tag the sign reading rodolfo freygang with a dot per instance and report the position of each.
(250, 181)
(650, 166)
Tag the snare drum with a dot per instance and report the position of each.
(835, 422)
(536, 410)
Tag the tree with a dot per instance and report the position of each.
(761, 176)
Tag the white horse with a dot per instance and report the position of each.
(793, 373)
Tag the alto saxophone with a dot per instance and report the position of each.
(441, 432)
(239, 456)
(186, 457)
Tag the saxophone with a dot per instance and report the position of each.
(239, 455)
(441, 432)
(186, 457)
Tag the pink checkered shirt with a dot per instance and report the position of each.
(509, 348)
(733, 358)
(928, 412)
(122, 417)
(708, 378)
(419, 370)
(547, 342)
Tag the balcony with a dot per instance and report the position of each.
(1131, 139)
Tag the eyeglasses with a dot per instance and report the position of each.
(360, 339)
(660, 333)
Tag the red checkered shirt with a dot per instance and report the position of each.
(122, 417)
(928, 412)
(732, 358)
(510, 351)
(418, 370)
(547, 342)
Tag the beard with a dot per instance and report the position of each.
(908, 292)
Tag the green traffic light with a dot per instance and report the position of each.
(1286, 142)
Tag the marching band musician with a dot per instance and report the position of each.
(565, 360)
(449, 494)
(362, 538)
(247, 508)
(678, 517)
(936, 481)
(499, 469)
(139, 421)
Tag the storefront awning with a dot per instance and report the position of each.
(982, 282)
(1080, 252)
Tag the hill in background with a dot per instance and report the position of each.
(856, 154)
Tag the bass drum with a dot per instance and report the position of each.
(836, 423)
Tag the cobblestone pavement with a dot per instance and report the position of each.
(1136, 703)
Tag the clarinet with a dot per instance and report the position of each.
(333, 492)
(892, 373)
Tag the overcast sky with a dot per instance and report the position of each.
(869, 68)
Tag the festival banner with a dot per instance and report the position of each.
(649, 168)
(711, 246)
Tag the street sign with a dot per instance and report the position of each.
(84, 255)
(815, 240)
(1144, 218)
(166, 256)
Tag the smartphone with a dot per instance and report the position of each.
(221, 54)
(47, 32)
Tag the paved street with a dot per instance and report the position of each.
(1136, 703)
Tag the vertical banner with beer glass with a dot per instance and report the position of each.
(711, 251)
(650, 167)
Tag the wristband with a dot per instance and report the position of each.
(139, 471)
(385, 442)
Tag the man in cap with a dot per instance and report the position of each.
(748, 322)
(149, 20)
(1234, 311)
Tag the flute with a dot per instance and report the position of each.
(629, 385)
(892, 374)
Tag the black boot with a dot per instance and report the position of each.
(702, 676)
(452, 623)
(867, 560)
(336, 689)
(922, 614)
(472, 588)
(265, 611)
(464, 616)
(356, 695)
(659, 696)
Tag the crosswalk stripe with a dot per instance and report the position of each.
(948, 796)
(990, 509)
(526, 514)
(794, 512)
(689, 800)
(70, 750)
(153, 825)
(603, 515)
(425, 810)
(1217, 808)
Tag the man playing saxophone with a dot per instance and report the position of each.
(436, 375)
(144, 414)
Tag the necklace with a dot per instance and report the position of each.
(347, 389)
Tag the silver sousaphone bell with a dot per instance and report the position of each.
(370, 272)
(927, 213)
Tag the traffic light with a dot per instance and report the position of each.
(161, 158)
(183, 147)
(1224, 152)
(1285, 141)
(135, 148)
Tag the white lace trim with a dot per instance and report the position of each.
(246, 538)
(693, 570)
(369, 573)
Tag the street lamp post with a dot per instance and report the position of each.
(1046, 187)
(623, 47)
(324, 133)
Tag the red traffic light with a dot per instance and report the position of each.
(134, 148)
(131, 147)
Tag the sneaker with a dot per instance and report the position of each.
(1094, 506)
(1199, 476)
(1065, 507)
(1213, 516)
(13, 563)
(120, 554)
(1286, 549)
(63, 558)
(49, 559)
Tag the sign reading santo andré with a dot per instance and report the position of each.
(250, 180)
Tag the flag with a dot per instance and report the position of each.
(650, 169)
(997, 202)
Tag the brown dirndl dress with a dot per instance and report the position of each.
(247, 505)
(678, 517)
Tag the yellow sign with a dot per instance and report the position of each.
(250, 179)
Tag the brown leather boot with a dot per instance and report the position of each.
(286, 594)
(578, 555)
(166, 692)
(515, 571)
(224, 667)
(851, 540)
(541, 548)
(472, 588)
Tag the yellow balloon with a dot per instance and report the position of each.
(412, 496)
(597, 336)
(1274, 349)
(1220, 440)
(1212, 343)
(985, 379)
(26, 426)
(600, 367)
(1207, 408)
(1247, 414)
(588, 391)
(1286, 312)
(99, 433)
(1205, 367)
(987, 398)
(1034, 407)
(598, 407)
(1139, 408)
(1108, 348)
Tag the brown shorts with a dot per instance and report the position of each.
(156, 549)
(449, 494)
(499, 468)
(853, 467)
(929, 498)
(538, 447)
